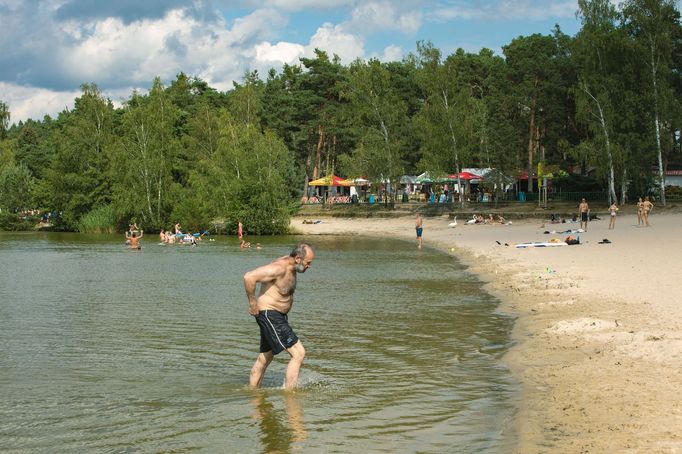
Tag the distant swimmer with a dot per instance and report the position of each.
(134, 240)
(276, 296)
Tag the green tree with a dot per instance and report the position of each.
(381, 114)
(147, 156)
(16, 186)
(653, 24)
(534, 72)
(599, 53)
(327, 131)
(79, 174)
(245, 100)
(4, 119)
(450, 115)
(245, 180)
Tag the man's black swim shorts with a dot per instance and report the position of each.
(275, 332)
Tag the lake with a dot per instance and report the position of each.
(105, 349)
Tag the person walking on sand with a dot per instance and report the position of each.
(647, 206)
(640, 212)
(584, 210)
(418, 225)
(613, 209)
(271, 307)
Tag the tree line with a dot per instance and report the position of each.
(605, 101)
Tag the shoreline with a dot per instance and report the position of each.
(598, 331)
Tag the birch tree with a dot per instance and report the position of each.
(381, 114)
(246, 178)
(148, 153)
(598, 52)
(79, 176)
(4, 119)
(449, 116)
(652, 24)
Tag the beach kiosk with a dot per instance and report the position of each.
(332, 188)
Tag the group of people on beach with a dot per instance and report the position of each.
(271, 303)
(479, 219)
(644, 207)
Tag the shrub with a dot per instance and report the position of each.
(98, 220)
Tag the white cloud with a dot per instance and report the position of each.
(297, 5)
(135, 53)
(118, 54)
(282, 52)
(372, 17)
(31, 102)
(392, 53)
(335, 40)
(260, 23)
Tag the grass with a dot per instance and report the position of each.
(99, 220)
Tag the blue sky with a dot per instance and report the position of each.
(48, 48)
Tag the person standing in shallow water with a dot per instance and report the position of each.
(271, 307)
(134, 240)
(419, 227)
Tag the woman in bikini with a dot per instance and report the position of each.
(640, 212)
(647, 207)
(613, 209)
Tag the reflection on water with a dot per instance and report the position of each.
(113, 350)
(280, 429)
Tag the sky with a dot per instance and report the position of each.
(48, 48)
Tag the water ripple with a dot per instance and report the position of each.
(106, 350)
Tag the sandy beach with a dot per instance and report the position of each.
(598, 334)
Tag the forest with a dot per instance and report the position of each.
(605, 103)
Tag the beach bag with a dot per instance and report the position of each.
(570, 240)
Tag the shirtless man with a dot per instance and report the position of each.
(584, 210)
(418, 225)
(275, 298)
(134, 240)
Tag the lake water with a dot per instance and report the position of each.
(104, 349)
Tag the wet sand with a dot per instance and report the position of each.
(599, 330)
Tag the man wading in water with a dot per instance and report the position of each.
(270, 307)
